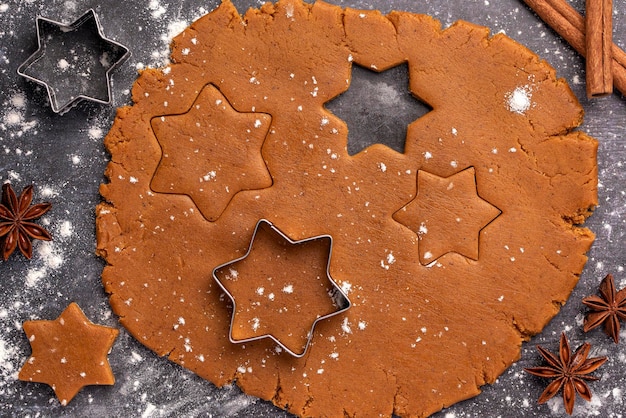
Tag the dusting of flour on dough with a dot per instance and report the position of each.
(519, 100)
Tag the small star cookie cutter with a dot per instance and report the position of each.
(73, 61)
(338, 296)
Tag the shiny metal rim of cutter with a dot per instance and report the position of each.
(40, 52)
(337, 294)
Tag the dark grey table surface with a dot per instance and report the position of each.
(63, 156)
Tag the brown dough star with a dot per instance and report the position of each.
(281, 289)
(68, 353)
(211, 152)
(447, 214)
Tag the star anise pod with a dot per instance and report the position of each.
(16, 227)
(569, 371)
(607, 309)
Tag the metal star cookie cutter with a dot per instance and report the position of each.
(73, 61)
(338, 296)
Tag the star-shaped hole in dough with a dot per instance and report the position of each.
(378, 107)
(73, 61)
(281, 289)
(447, 215)
(211, 152)
(68, 353)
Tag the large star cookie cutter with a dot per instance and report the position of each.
(290, 301)
(73, 61)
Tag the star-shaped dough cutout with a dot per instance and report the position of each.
(378, 108)
(211, 152)
(68, 353)
(73, 61)
(281, 289)
(447, 215)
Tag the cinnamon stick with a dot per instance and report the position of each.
(599, 40)
(568, 23)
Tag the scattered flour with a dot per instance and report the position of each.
(6, 366)
(49, 257)
(65, 229)
(174, 28)
(519, 100)
(47, 192)
(18, 100)
(63, 64)
(150, 409)
(95, 132)
(157, 10)
(385, 95)
(346, 287)
(345, 326)
(33, 276)
(9, 360)
(14, 116)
